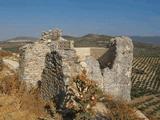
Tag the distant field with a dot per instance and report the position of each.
(149, 75)
(146, 85)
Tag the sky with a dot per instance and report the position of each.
(79, 17)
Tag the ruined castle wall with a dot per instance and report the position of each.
(48, 66)
(51, 65)
(32, 62)
(52, 79)
(113, 72)
(59, 67)
(117, 80)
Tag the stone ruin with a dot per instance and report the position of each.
(52, 62)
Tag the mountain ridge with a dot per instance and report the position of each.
(142, 39)
(21, 39)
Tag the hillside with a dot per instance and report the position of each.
(155, 40)
(147, 39)
(14, 44)
(92, 40)
(22, 39)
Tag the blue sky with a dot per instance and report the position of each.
(79, 17)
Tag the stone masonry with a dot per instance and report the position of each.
(52, 62)
(32, 62)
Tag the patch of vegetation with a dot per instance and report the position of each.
(12, 49)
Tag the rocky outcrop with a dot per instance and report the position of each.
(51, 63)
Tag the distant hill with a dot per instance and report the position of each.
(92, 40)
(93, 37)
(14, 44)
(149, 46)
(22, 39)
(147, 39)
(89, 37)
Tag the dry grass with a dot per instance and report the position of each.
(5, 53)
(18, 103)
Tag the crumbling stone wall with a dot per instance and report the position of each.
(48, 65)
(32, 63)
(51, 64)
(52, 84)
(117, 79)
(113, 71)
